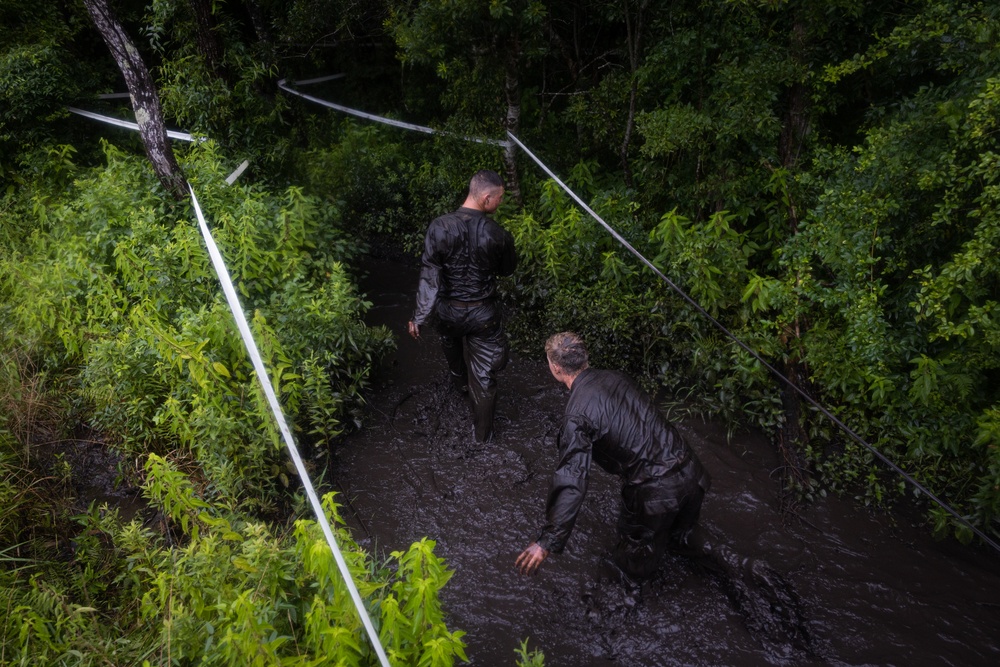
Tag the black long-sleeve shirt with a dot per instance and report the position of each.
(611, 421)
(464, 252)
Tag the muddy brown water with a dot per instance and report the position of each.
(835, 586)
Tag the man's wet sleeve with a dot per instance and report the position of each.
(569, 485)
(430, 275)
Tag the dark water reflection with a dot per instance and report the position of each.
(866, 590)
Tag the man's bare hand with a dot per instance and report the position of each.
(531, 558)
(414, 329)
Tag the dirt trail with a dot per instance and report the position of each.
(835, 587)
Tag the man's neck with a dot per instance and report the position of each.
(568, 380)
(470, 202)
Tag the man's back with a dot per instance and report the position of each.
(630, 437)
(465, 251)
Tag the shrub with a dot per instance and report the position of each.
(114, 289)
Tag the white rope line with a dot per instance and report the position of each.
(319, 79)
(583, 205)
(382, 119)
(236, 174)
(427, 130)
(251, 346)
(774, 371)
(272, 399)
(262, 376)
(183, 136)
(809, 399)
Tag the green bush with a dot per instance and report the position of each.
(279, 598)
(132, 595)
(114, 290)
(387, 185)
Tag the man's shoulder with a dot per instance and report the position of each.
(601, 381)
(589, 381)
(601, 375)
(447, 226)
(499, 230)
(449, 218)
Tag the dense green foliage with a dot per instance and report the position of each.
(276, 597)
(820, 177)
(114, 286)
(387, 184)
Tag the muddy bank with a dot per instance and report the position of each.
(84, 470)
(836, 586)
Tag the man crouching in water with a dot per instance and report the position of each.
(611, 420)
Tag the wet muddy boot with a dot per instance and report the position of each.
(483, 413)
(634, 560)
(612, 568)
(484, 403)
(616, 592)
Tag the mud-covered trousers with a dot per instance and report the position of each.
(655, 515)
(475, 345)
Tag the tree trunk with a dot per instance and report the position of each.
(145, 102)
(795, 127)
(209, 44)
(257, 19)
(633, 26)
(512, 91)
(792, 436)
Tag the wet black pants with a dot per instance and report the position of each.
(655, 515)
(475, 345)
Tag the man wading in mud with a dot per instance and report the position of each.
(464, 252)
(609, 419)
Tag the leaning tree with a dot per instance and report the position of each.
(145, 101)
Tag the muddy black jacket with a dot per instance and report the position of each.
(611, 421)
(464, 252)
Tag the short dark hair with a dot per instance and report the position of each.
(485, 180)
(567, 351)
